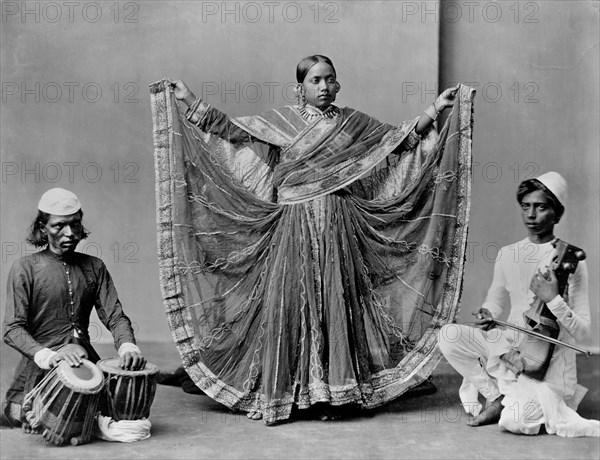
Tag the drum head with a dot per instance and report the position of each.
(111, 366)
(86, 378)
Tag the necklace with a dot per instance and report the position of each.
(70, 286)
(310, 113)
(71, 299)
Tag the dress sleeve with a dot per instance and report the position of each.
(110, 310)
(496, 299)
(573, 311)
(213, 121)
(16, 324)
(411, 141)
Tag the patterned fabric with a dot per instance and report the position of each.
(308, 259)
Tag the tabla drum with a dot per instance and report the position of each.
(129, 394)
(63, 405)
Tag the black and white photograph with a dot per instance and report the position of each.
(344, 229)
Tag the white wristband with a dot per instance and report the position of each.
(129, 347)
(560, 309)
(42, 358)
(555, 302)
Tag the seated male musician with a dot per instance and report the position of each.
(50, 296)
(519, 403)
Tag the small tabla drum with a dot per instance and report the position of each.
(63, 405)
(129, 394)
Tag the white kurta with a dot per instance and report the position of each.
(515, 266)
(476, 353)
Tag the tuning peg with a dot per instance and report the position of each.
(568, 266)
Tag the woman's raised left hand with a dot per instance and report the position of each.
(446, 99)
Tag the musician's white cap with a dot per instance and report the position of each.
(59, 202)
(556, 184)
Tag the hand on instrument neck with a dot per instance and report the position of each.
(545, 287)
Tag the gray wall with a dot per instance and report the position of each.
(71, 135)
(57, 130)
(536, 69)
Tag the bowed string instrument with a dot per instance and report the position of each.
(532, 356)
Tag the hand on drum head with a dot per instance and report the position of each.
(73, 355)
(132, 361)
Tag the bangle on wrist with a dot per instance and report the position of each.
(192, 98)
(432, 112)
(192, 109)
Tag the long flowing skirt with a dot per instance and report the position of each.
(337, 299)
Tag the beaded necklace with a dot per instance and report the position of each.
(70, 286)
(309, 112)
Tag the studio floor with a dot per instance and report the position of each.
(426, 427)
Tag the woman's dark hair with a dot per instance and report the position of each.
(532, 185)
(305, 64)
(37, 238)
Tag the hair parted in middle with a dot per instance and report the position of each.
(305, 64)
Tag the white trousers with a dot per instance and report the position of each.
(528, 404)
(475, 354)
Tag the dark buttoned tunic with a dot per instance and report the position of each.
(49, 302)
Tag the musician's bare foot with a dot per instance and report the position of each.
(28, 429)
(254, 415)
(491, 413)
(9, 417)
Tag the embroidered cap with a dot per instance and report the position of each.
(556, 184)
(59, 202)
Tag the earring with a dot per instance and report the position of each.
(300, 95)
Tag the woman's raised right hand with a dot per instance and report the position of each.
(182, 92)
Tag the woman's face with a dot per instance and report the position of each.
(320, 86)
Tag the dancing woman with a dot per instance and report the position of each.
(310, 254)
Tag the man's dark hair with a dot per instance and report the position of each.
(532, 185)
(37, 238)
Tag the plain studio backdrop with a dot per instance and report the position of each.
(76, 108)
